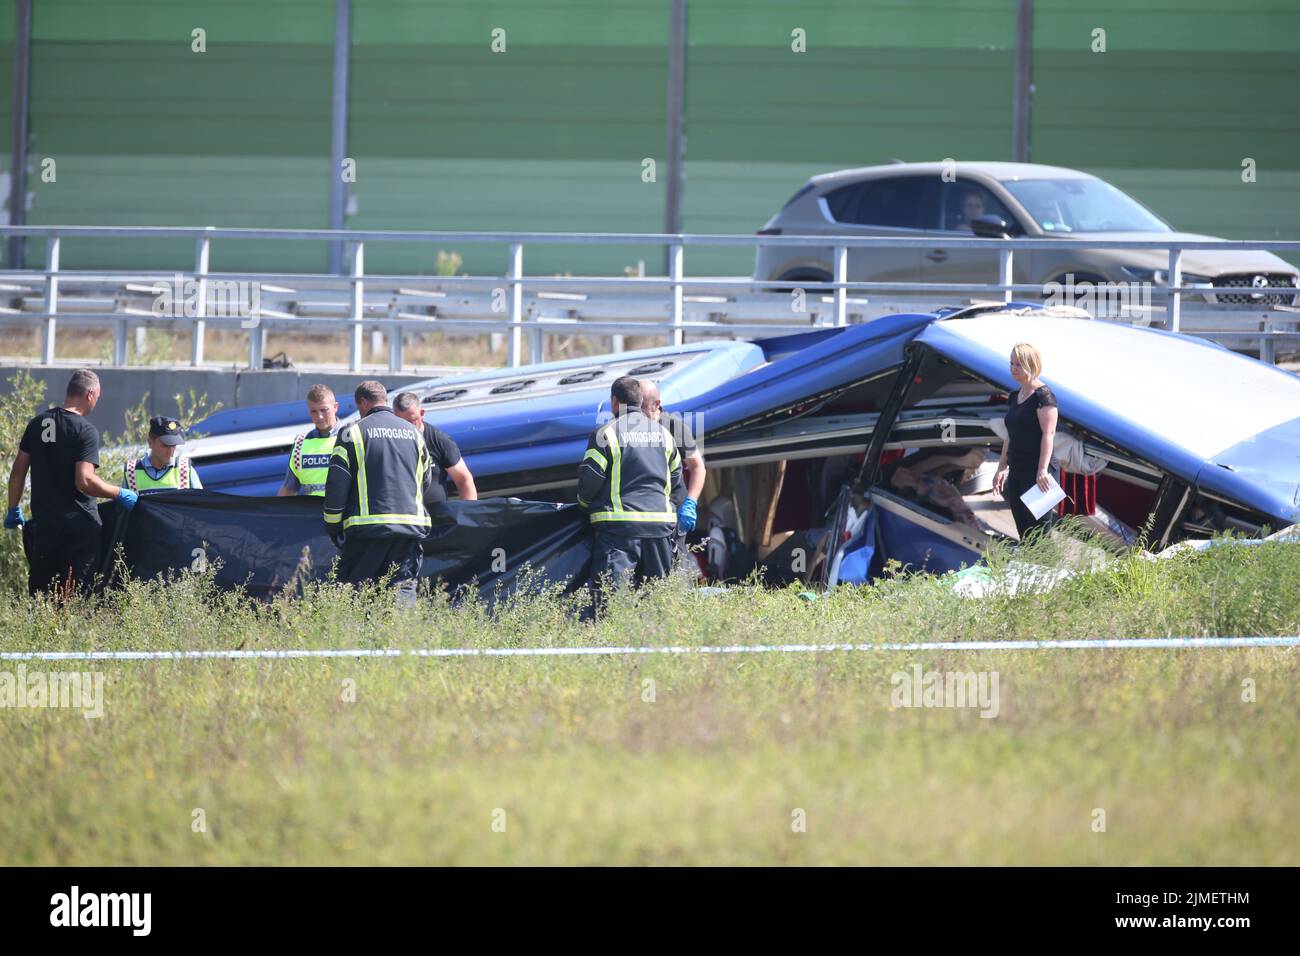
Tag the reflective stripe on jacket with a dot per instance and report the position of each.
(310, 461)
(627, 477)
(378, 476)
(180, 474)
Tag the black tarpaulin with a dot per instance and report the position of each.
(492, 541)
(266, 544)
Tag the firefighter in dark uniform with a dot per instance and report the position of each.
(374, 496)
(626, 484)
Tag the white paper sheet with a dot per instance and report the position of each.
(1039, 502)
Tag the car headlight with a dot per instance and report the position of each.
(1161, 277)
(1154, 276)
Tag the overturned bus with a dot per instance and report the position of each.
(829, 454)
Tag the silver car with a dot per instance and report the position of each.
(995, 200)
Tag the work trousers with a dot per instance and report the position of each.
(618, 559)
(368, 559)
(61, 552)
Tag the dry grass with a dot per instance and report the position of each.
(324, 350)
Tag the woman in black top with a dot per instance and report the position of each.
(1031, 428)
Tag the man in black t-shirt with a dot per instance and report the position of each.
(61, 450)
(448, 465)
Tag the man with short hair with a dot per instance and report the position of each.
(626, 482)
(374, 496)
(693, 470)
(309, 460)
(61, 450)
(444, 454)
(164, 468)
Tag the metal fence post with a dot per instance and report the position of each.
(1005, 270)
(51, 299)
(256, 346)
(841, 291)
(674, 120)
(358, 305)
(339, 127)
(119, 333)
(257, 336)
(516, 275)
(396, 359)
(1024, 72)
(617, 342)
(201, 257)
(676, 260)
(1175, 299)
(21, 108)
(536, 349)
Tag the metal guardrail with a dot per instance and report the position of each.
(672, 305)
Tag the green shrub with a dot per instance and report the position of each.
(23, 399)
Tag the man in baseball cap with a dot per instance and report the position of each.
(164, 468)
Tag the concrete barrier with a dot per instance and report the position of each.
(125, 387)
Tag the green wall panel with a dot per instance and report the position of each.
(550, 135)
(1149, 26)
(151, 99)
(271, 192)
(528, 24)
(533, 104)
(508, 195)
(870, 25)
(171, 22)
(1184, 92)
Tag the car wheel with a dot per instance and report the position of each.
(791, 281)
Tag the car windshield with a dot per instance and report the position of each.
(1083, 205)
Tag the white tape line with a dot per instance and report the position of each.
(300, 653)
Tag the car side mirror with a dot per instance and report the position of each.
(990, 226)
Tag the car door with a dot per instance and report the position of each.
(954, 204)
(885, 207)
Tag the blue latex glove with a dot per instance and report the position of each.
(686, 516)
(128, 498)
(14, 518)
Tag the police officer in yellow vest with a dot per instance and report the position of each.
(164, 468)
(309, 461)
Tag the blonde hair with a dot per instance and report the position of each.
(1030, 359)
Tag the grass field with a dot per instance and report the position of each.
(1193, 756)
